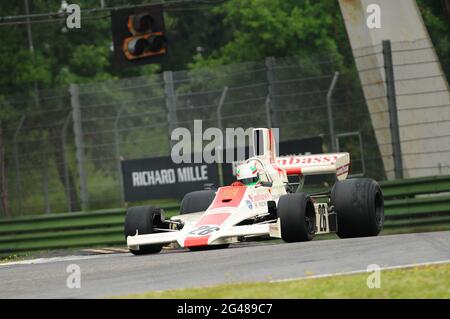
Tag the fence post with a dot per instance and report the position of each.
(219, 107)
(220, 124)
(3, 187)
(78, 132)
(270, 62)
(45, 184)
(117, 146)
(268, 115)
(17, 164)
(330, 112)
(171, 103)
(65, 164)
(392, 105)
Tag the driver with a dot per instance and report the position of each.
(247, 175)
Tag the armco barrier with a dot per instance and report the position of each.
(415, 186)
(68, 230)
(417, 202)
(408, 203)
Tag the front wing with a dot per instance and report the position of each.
(219, 237)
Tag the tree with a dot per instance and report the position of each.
(256, 29)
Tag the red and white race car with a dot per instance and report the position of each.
(269, 206)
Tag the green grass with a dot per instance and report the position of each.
(12, 258)
(20, 256)
(418, 282)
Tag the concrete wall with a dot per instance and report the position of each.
(423, 98)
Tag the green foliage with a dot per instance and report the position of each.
(87, 63)
(437, 25)
(260, 28)
(237, 31)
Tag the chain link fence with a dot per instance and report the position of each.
(64, 152)
(422, 106)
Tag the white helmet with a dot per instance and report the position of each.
(247, 174)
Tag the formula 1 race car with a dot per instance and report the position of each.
(264, 203)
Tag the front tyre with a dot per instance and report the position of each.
(297, 217)
(359, 207)
(197, 201)
(140, 219)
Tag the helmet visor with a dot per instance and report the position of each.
(249, 181)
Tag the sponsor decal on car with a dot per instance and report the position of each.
(305, 160)
(342, 170)
(259, 197)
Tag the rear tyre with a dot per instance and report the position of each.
(359, 207)
(197, 201)
(140, 219)
(297, 217)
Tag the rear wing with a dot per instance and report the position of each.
(336, 163)
(264, 147)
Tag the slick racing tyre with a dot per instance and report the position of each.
(359, 207)
(297, 217)
(140, 219)
(197, 201)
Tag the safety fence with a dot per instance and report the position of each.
(62, 151)
(412, 204)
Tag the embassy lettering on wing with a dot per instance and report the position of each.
(314, 159)
(170, 176)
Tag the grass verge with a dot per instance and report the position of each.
(417, 282)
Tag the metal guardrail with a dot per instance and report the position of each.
(417, 202)
(105, 227)
(415, 186)
(67, 230)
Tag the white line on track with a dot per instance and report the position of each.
(57, 259)
(353, 272)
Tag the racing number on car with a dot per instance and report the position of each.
(203, 230)
(323, 219)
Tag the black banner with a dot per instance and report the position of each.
(305, 146)
(159, 177)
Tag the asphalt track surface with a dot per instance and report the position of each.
(121, 274)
